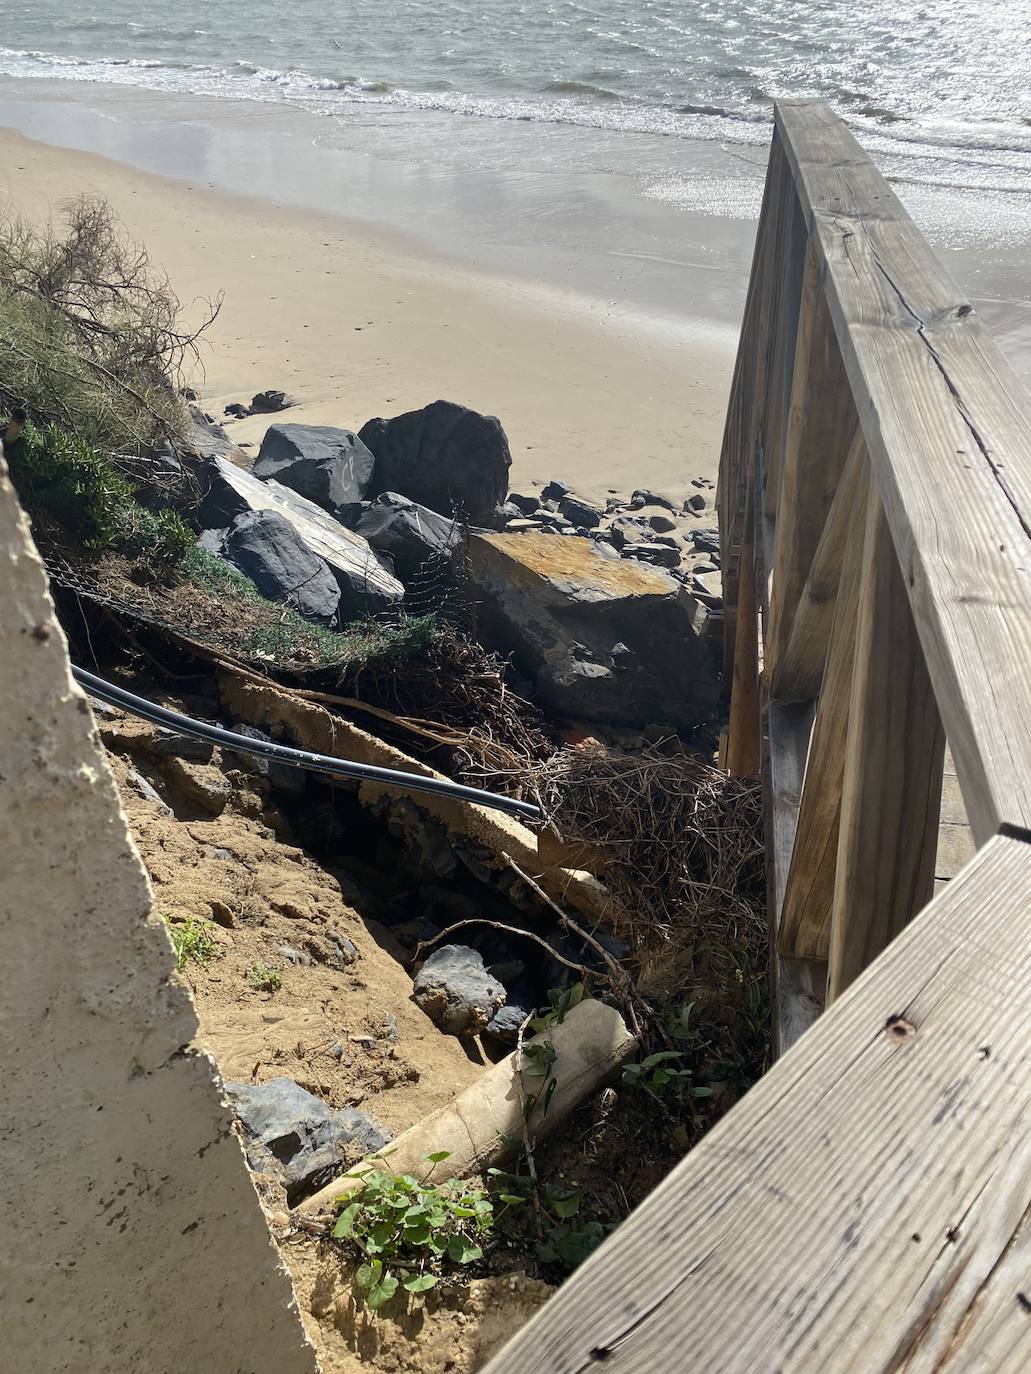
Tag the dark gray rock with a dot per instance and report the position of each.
(331, 467)
(166, 743)
(166, 482)
(213, 541)
(266, 548)
(204, 440)
(644, 497)
(660, 555)
(580, 512)
(281, 777)
(297, 1137)
(527, 504)
(708, 540)
(238, 411)
(506, 1022)
(366, 586)
(695, 502)
(407, 533)
(444, 456)
(270, 401)
(456, 992)
(554, 491)
(662, 524)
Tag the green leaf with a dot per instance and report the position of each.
(701, 1092)
(511, 1198)
(416, 1235)
(368, 1274)
(460, 1211)
(421, 1283)
(381, 1235)
(661, 1057)
(436, 1158)
(345, 1222)
(462, 1251)
(564, 1202)
(383, 1291)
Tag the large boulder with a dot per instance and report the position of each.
(607, 640)
(456, 992)
(331, 467)
(298, 1138)
(406, 532)
(266, 548)
(366, 586)
(443, 456)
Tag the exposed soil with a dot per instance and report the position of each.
(350, 1035)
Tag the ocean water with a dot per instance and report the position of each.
(940, 93)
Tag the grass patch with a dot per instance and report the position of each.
(193, 941)
(256, 627)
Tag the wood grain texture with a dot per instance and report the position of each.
(797, 985)
(892, 784)
(737, 455)
(863, 1210)
(743, 745)
(820, 429)
(948, 428)
(805, 920)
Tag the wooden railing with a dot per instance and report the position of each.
(867, 1206)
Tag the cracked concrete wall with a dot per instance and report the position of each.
(131, 1238)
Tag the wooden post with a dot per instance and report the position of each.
(743, 743)
(820, 427)
(809, 893)
(891, 793)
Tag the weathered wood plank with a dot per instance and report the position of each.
(786, 273)
(737, 455)
(809, 895)
(948, 428)
(799, 670)
(863, 1209)
(821, 425)
(743, 742)
(797, 986)
(892, 785)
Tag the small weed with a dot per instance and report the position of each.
(264, 978)
(410, 1232)
(562, 1000)
(658, 1077)
(564, 1237)
(192, 940)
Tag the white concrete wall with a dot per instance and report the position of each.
(131, 1238)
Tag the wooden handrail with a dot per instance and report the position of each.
(865, 1207)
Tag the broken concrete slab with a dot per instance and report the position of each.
(564, 608)
(366, 586)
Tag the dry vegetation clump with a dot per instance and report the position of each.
(92, 336)
(680, 843)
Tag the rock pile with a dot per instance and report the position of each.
(326, 508)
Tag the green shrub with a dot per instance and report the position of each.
(410, 1232)
(83, 491)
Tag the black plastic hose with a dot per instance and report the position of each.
(295, 758)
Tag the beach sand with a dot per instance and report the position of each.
(356, 322)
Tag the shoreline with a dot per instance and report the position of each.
(599, 325)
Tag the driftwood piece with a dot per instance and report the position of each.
(484, 1124)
